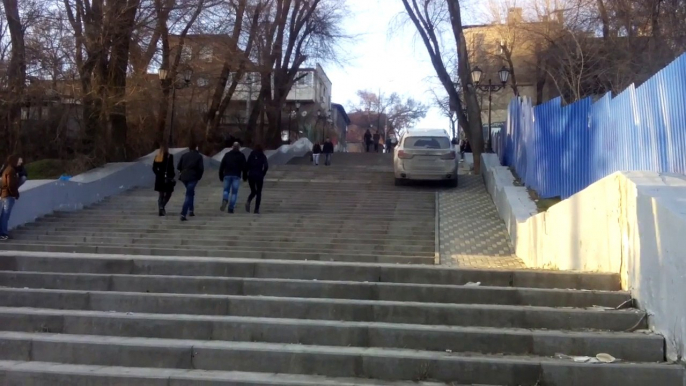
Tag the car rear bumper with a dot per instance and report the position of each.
(426, 176)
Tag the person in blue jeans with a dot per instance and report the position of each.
(192, 166)
(230, 172)
(9, 193)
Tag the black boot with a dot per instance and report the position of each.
(247, 206)
(160, 206)
(224, 204)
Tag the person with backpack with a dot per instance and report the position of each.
(163, 167)
(230, 172)
(316, 152)
(9, 193)
(255, 171)
(192, 167)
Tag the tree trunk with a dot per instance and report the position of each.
(125, 18)
(465, 73)
(16, 74)
(604, 18)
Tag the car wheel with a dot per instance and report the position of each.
(399, 182)
(452, 183)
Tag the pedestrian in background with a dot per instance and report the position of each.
(9, 193)
(230, 171)
(377, 138)
(163, 167)
(367, 140)
(328, 151)
(255, 172)
(316, 151)
(192, 167)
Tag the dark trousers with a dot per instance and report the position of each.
(163, 199)
(189, 201)
(256, 184)
(368, 146)
(376, 147)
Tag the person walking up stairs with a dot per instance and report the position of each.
(230, 171)
(328, 151)
(255, 172)
(192, 167)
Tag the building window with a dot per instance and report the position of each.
(201, 107)
(203, 82)
(186, 54)
(304, 78)
(205, 54)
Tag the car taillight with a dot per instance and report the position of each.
(450, 155)
(403, 155)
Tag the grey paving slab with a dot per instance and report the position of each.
(471, 233)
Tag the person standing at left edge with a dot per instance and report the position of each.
(10, 193)
(230, 171)
(192, 167)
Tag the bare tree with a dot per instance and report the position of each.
(429, 17)
(390, 113)
(235, 61)
(103, 31)
(293, 32)
(171, 59)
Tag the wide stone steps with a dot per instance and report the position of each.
(430, 293)
(419, 238)
(510, 341)
(340, 220)
(37, 246)
(389, 323)
(375, 363)
(305, 245)
(315, 291)
(18, 373)
(309, 270)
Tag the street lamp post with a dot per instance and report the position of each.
(164, 78)
(329, 121)
(504, 75)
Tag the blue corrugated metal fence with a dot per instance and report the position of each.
(559, 150)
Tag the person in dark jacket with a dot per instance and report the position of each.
(255, 172)
(9, 193)
(316, 151)
(163, 167)
(377, 138)
(192, 166)
(230, 172)
(328, 151)
(367, 140)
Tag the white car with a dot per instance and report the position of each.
(425, 155)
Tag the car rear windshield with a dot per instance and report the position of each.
(427, 143)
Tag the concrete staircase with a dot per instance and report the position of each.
(311, 292)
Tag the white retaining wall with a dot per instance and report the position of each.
(39, 198)
(280, 156)
(631, 223)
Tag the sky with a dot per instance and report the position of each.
(384, 58)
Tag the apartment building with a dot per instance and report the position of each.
(515, 44)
